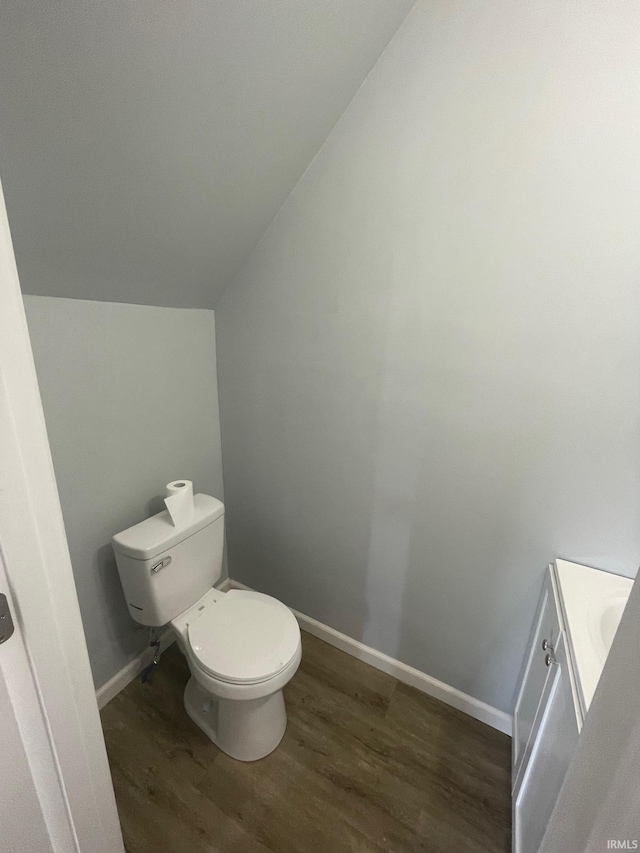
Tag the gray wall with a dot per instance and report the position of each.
(145, 146)
(429, 365)
(130, 400)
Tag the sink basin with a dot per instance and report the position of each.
(593, 602)
(604, 618)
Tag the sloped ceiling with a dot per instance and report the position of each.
(145, 145)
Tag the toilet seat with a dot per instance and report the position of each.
(244, 637)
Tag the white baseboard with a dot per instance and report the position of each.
(401, 671)
(126, 675)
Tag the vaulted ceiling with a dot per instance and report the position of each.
(145, 145)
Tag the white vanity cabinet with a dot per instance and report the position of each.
(547, 721)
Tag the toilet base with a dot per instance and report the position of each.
(246, 729)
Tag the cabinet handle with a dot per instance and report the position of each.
(546, 646)
(549, 660)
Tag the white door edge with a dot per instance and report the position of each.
(40, 577)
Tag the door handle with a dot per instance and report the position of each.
(6, 622)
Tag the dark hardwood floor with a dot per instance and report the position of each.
(366, 764)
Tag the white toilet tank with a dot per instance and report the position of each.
(164, 569)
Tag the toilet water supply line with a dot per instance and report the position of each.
(179, 503)
(154, 643)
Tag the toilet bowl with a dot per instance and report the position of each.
(242, 647)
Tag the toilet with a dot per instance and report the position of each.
(242, 647)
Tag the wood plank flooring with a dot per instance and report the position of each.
(367, 764)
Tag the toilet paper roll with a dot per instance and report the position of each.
(179, 502)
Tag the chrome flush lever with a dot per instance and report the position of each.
(158, 566)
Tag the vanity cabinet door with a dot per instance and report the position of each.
(555, 738)
(536, 679)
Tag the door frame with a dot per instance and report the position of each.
(42, 587)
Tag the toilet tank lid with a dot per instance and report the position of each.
(151, 537)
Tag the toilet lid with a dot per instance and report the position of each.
(244, 637)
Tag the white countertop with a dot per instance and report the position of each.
(592, 601)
